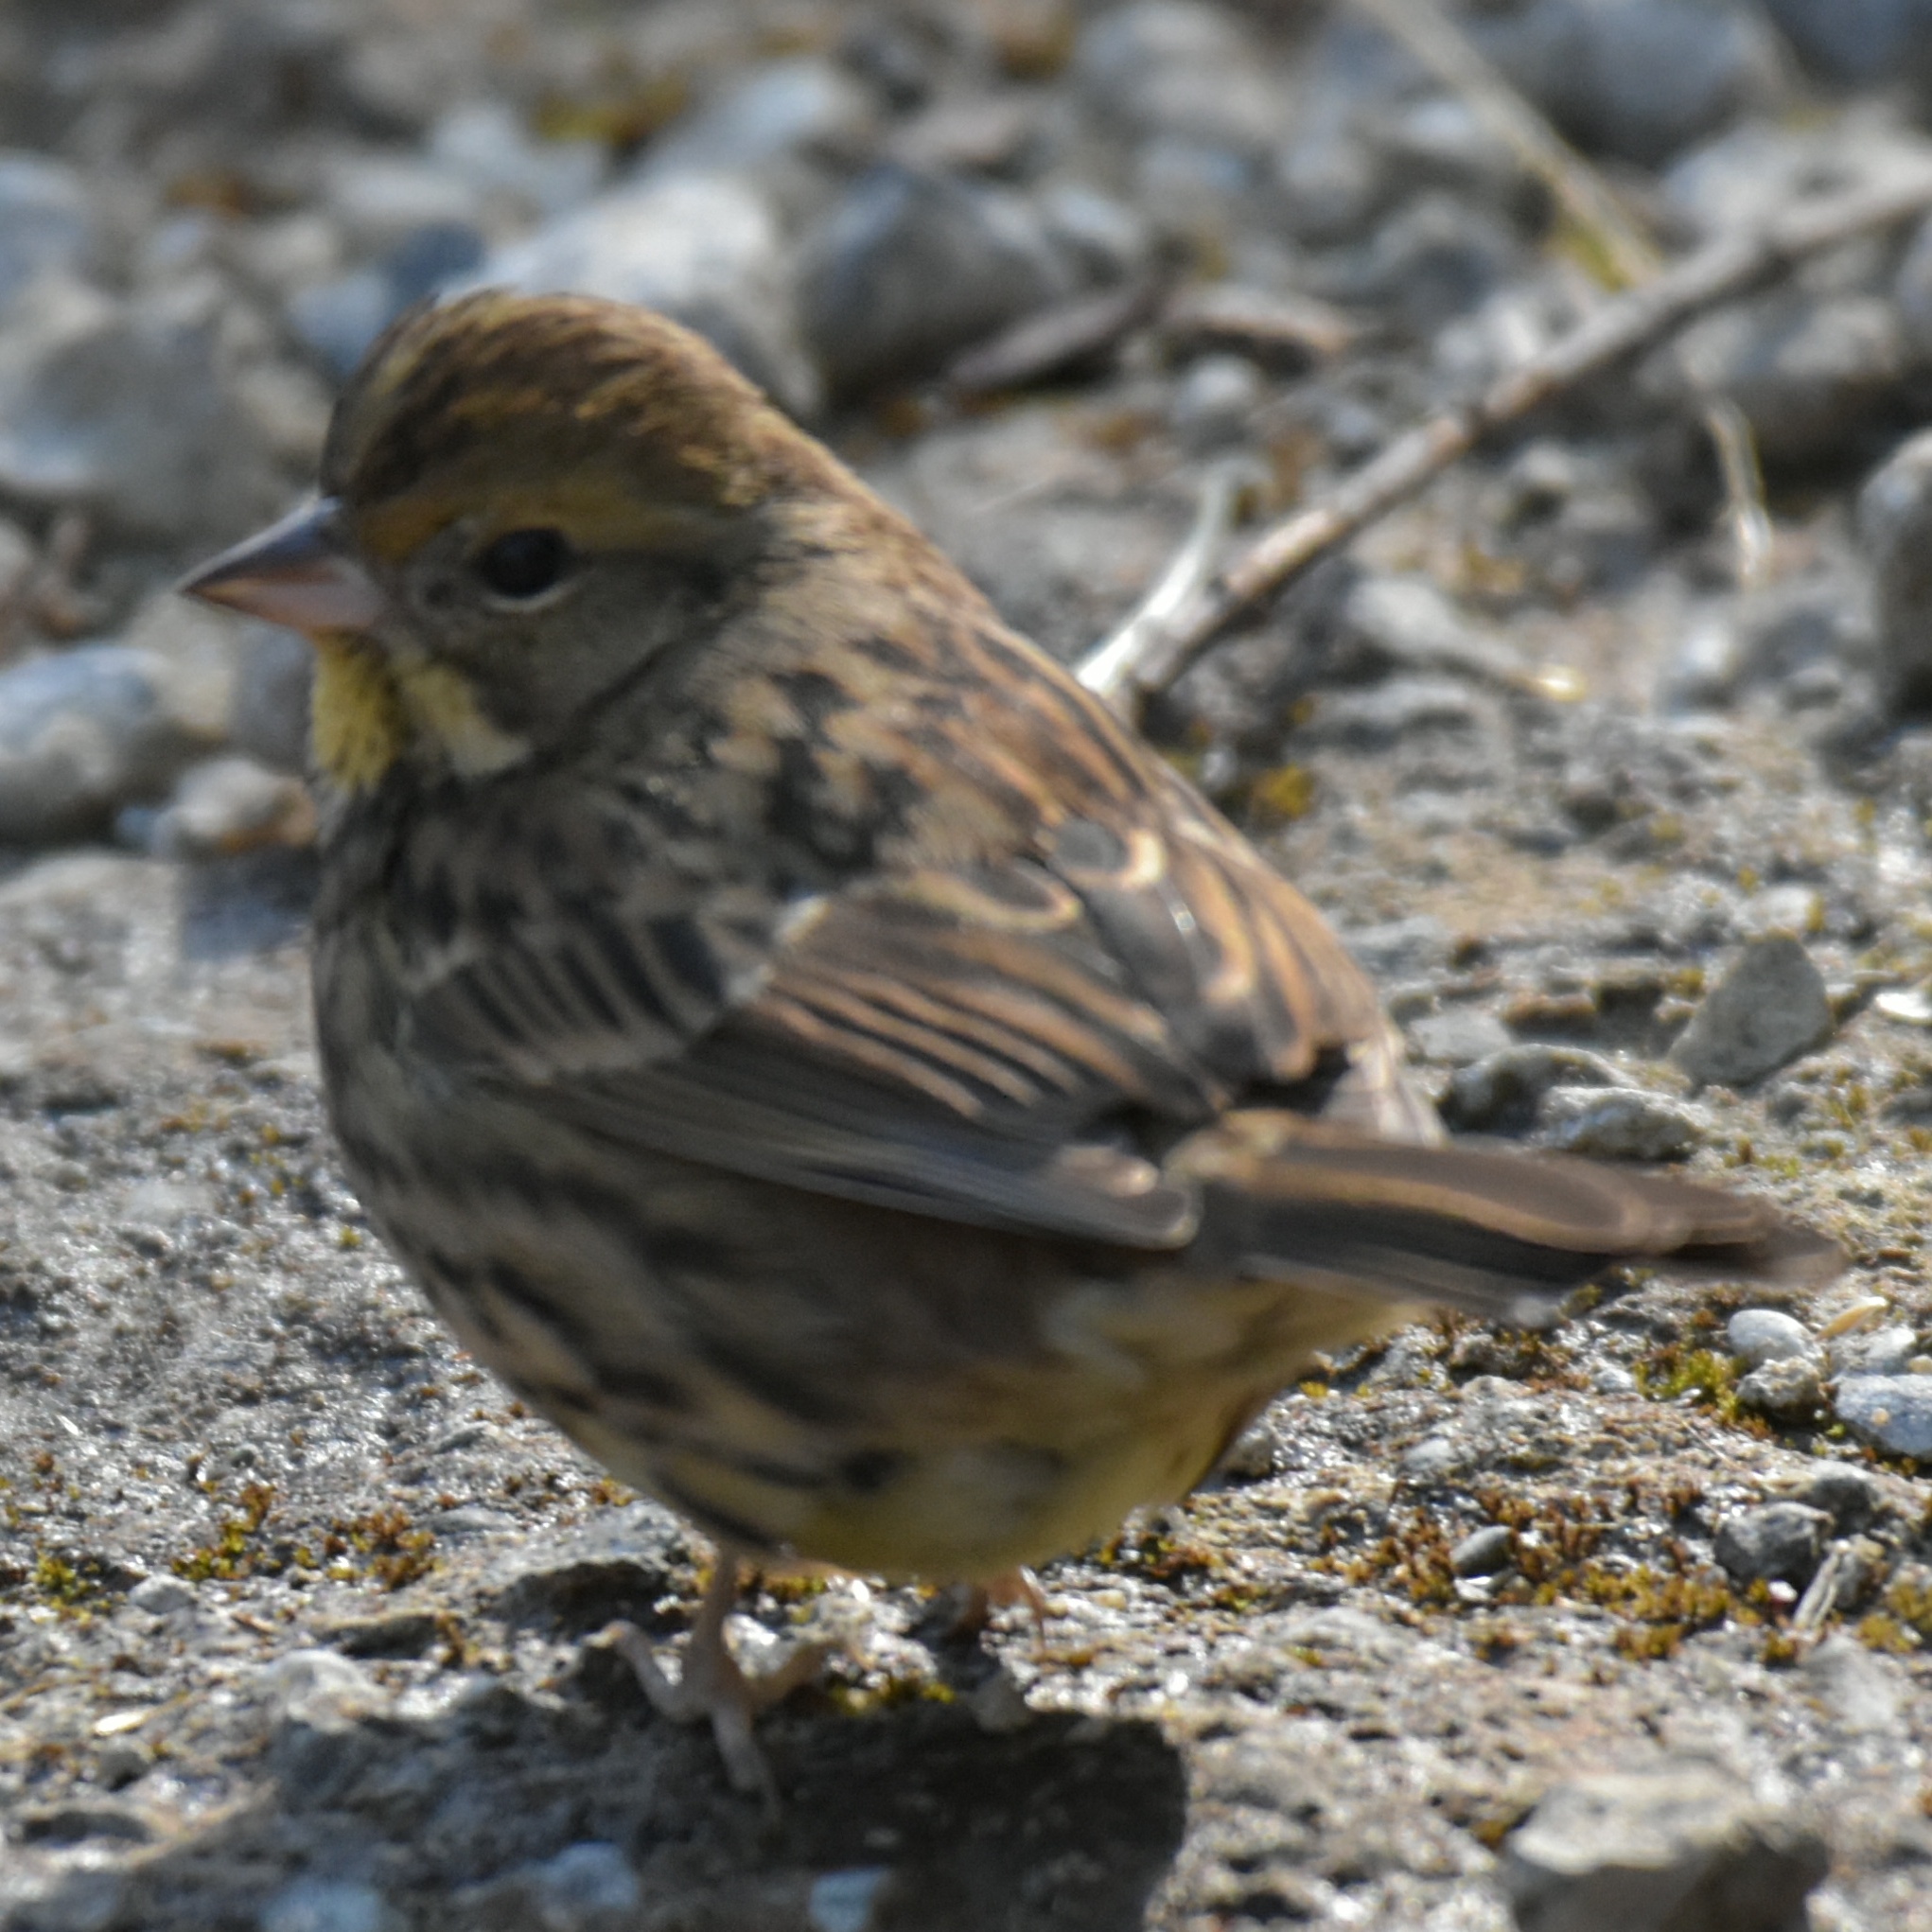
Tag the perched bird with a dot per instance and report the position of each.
(799, 1039)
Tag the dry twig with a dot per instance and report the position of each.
(1720, 272)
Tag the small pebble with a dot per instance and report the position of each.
(845, 1900)
(1756, 1336)
(1891, 1412)
(315, 1904)
(161, 1596)
(1875, 1352)
(1618, 1124)
(1781, 1540)
(1485, 1552)
(1769, 1007)
(1786, 1389)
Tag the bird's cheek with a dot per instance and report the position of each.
(442, 704)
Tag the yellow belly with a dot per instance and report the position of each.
(1021, 1462)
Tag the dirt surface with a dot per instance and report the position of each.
(299, 1615)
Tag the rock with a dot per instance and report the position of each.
(1401, 948)
(232, 805)
(847, 1900)
(1405, 623)
(589, 1886)
(1849, 1495)
(131, 411)
(1756, 1336)
(908, 268)
(1485, 1552)
(45, 221)
(1505, 1091)
(1873, 1351)
(610, 1567)
(1775, 1541)
(1635, 78)
(338, 318)
(1896, 534)
(1682, 1847)
(268, 716)
(1435, 259)
(81, 734)
(1787, 1389)
(1216, 402)
(1618, 1124)
(322, 1904)
(707, 250)
(1863, 1693)
(1458, 1035)
(781, 108)
(1891, 1412)
(486, 144)
(1180, 70)
(315, 1684)
(1769, 1007)
(1814, 375)
(1385, 714)
(1857, 41)
(161, 1596)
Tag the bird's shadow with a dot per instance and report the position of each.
(912, 1819)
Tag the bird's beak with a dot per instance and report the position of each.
(297, 572)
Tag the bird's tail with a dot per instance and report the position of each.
(1502, 1234)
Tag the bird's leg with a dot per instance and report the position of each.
(712, 1684)
(1015, 1586)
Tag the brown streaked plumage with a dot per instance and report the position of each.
(796, 1035)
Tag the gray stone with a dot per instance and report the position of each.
(1863, 1693)
(1891, 1412)
(847, 1900)
(1781, 1541)
(1769, 1007)
(230, 806)
(1636, 78)
(1458, 1035)
(161, 1596)
(1756, 1336)
(1438, 256)
(1618, 1124)
(1407, 624)
(1401, 948)
(589, 1886)
(1218, 401)
(1683, 1846)
(1849, 1495)
(81, 734)
(1857, 41)
(909, 268)
(1812, 374)
(707, 250)
(322, 1904)
(45, 222)
(1506, 1090)
(1386, 714)
(1787, 1389)
(1485, 1552)
(762, 115)
(1885, 1351)
(486, 143)
(1180, 70)
(268, 716)
(1896, 534)
(131, 411)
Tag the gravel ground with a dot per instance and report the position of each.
(1623, 1625)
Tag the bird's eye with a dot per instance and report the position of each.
(524, 563)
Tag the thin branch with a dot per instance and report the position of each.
(1720, 272)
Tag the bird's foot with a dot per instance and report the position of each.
(1016, 1586)
(710, 1683)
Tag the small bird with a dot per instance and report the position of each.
(802, 1040)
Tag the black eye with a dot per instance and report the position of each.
(524, 563)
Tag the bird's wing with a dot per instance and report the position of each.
(1010, 1042)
